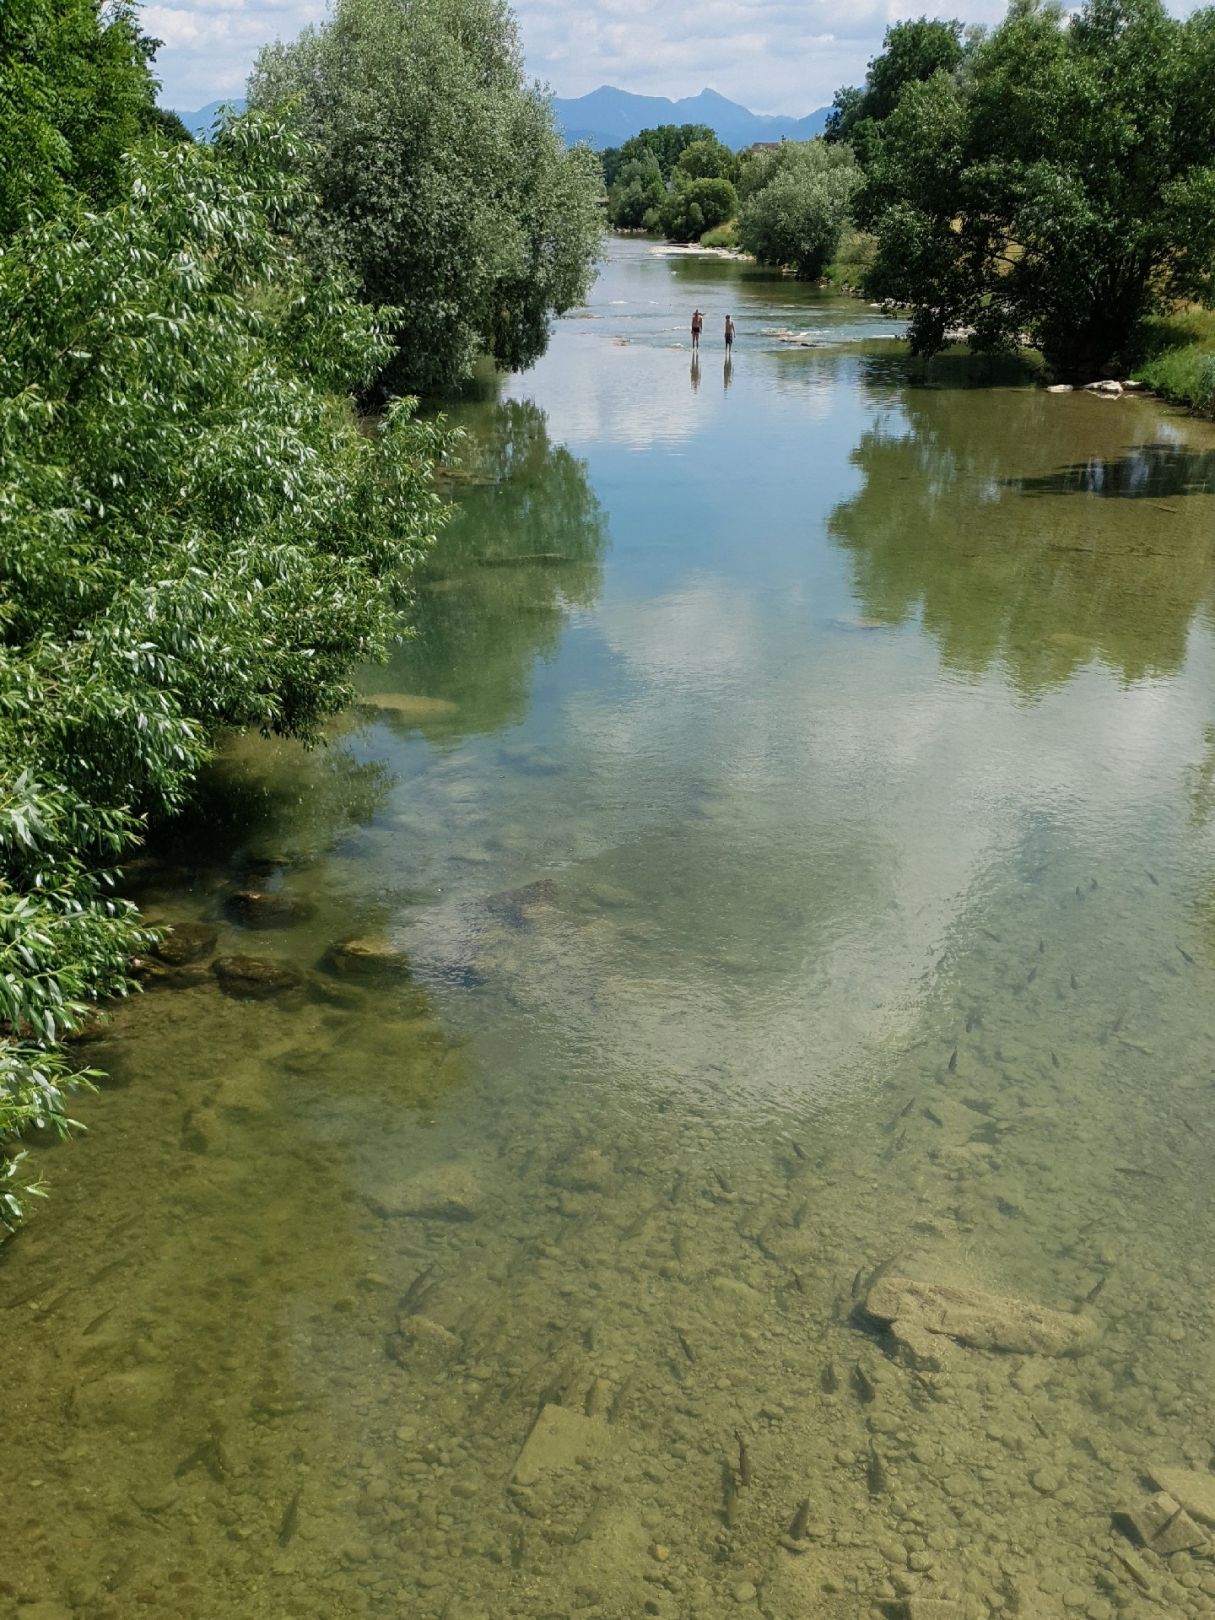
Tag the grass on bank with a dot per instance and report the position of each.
(852, 259)
(1176, 358)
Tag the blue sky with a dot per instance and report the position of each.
(773, 55)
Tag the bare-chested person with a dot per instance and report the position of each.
(698, 322)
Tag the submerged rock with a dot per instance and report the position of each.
(446, 1193)
(560, 1438)
(1191, 1488)
(155, 975)
(261, 908)
(584, 1170)
(1161, 1523)
(418, 1338)
(253, 978)
(983, 1321)
(410, 708)
(180, 943)
(514, 905)
(366, 957)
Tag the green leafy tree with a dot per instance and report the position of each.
(195, 535)
(76, 90)
(167, 125)
(706, 160)
(1059, 190)
(912, 52)
(665, 144)
(797, 215)
(692, 209)
(637, 194)
(441, 179)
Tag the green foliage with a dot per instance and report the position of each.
(720, 236)
(638, 192)
(652, 176)
(664, 144)
(442, 182)
(195, 535)
(912, 52)
(76, 90)
(695, 207)
(167, 124)
(798, 205)
(1059, 189)
(852, 260)
(1186, 376)
(705, 160)
(1175, 355)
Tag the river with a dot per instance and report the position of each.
(796, 813)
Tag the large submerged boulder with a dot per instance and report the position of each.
(183, 942)
(267, 908)
(366, 957)
(983, 1321)
(445, 1192)
(252, 978)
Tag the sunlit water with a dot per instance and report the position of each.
(803, 853)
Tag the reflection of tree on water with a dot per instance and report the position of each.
(941, 528)
(525, 546)
(1146, 472)
(264, 798)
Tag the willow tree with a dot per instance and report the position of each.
(798, 203)
(442, 181)
(196, 534)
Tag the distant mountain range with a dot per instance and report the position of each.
(608, 116)
(199, 123)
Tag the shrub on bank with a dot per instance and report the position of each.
(195, 535)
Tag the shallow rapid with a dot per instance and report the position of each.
(733, 1130)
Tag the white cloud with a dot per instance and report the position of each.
(772, 55)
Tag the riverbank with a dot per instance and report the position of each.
(1178, 359)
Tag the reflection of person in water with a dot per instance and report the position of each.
(695, 369)
(698, 322)
(727, 372)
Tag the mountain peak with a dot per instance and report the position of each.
(609, 116)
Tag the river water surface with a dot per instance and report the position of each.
(796, 815)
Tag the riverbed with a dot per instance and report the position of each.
(783, 868)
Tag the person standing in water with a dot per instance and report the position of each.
(729, 333)
(698, 322)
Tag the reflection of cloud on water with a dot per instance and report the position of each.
(806, 825)
(693, 640)
(628, 394)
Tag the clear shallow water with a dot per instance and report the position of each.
(804, 858)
